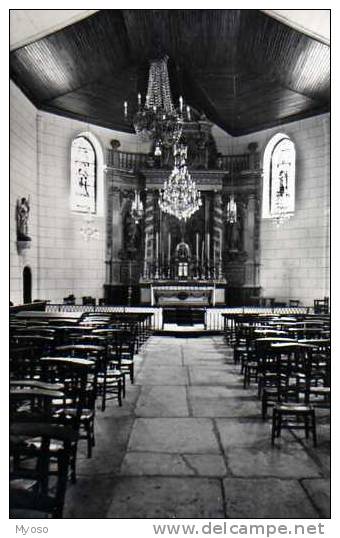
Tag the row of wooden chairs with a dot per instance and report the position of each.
(292, 374)
(58, 374)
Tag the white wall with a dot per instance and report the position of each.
(23, 184)
(62, 261)
(295, 257)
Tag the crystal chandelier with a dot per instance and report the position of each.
(137, 208)
(180, 196)
(231, 211)
(158, 119)
(88, 229)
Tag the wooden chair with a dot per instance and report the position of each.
(32, 495)
(287, 414)
(74, 373)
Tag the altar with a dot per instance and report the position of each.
(183, 293)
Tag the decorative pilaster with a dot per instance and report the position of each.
(249, 247)
(217, 234)
(114, 234)
(148, 233)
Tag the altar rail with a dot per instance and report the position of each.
(123, 160)
(156, 320)
(213, 321)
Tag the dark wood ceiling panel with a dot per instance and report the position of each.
(195, 38)
(102, 101)
(242, 68)
(72, 57)
(297, 61)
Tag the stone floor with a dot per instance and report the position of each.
(189, 442)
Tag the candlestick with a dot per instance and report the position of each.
(146, 247)
(169, 248)
(139, 99)
(188, 113)
(125, 108)
(197, 246)
(157, 247)
(208, 247)
(181, 104)
(202, 253)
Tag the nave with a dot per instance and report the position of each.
(190, 442)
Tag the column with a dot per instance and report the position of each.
(249, 239)
(206, 238)
(116, 232)
(148, 235)
(217, 235)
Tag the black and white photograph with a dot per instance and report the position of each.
(169, 275)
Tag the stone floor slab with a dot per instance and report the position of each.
(275, 462)
(158, 464)
(222, 402)
(162, 402)
(174, 435)
(249, 433)
(89, 498)
(154, 464)
(319, 490)
(200, 375)
(206, 464)
(163, 375)
(266, 498)
(166, 497)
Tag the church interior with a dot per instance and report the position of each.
(169, 263)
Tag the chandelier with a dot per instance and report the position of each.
(231, 211)
(180, 196)
(137, 208)
(88, 229)
(158, 119)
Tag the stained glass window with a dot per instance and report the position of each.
(83, 176)
(279, 177)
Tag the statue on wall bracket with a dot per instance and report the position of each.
(22, 218)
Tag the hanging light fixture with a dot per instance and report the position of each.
(158, 119)
(137, 208)
(180, 196)
(89, 230)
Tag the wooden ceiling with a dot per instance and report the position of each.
(245, 70)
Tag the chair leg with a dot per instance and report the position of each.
(132, 373)
(88, 438)
(314, 427)
(245, 377)
(274, 426)
(264, 407)
(306, 420)
(73, 465)
(279, 425)
(120, 393)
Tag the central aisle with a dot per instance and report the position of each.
(189, 443)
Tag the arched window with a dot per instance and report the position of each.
(279, 178)
(83, 175)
